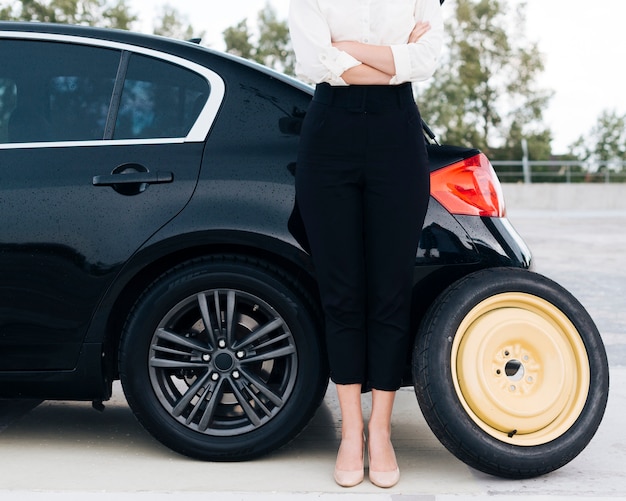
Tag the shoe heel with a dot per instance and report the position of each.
(350, 478)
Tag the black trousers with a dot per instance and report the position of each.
(362, 186)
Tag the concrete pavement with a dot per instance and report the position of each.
(67, 451)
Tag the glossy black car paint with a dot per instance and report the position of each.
(74, 257)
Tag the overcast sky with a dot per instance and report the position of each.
(582, 41)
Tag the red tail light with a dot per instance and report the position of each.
(469, 187)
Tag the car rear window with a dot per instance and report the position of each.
(159, 100)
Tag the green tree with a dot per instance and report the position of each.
(604, 147)
(87, 12)
(272, 46)
(103, 13)
(274, 41)
(119, 16)
(484, 93)
(237, 40)
(174, 25)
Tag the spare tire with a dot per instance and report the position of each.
(510, 373)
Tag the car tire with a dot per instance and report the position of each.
(510, 373)
(244, 386)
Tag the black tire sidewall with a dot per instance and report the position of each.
(190, 279)
(441, 406)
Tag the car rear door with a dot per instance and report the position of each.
(100, 146)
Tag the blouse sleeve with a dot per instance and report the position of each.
(417, 61)
(316, 59)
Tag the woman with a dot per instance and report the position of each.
(362, 186)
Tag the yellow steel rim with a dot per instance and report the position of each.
(520, 369)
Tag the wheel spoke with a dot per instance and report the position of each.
(171, 351)
(263, 388)
(274, 324)
(272, 341)
(212, 403)
(245, 405)
(253, 394)
(271, 355)
(198, 405)
(206, 319)
(180, 340)
(230, 316)
(175, 364)
(188, 397)
(218, 311)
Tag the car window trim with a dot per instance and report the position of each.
(198, 132)
(116, 97)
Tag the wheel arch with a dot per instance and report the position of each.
(151, 262)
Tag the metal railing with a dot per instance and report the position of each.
(559, 171)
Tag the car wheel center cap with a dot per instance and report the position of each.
(224, 362)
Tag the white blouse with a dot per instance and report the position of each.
(315, 24)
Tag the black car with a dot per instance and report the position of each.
(149, 234)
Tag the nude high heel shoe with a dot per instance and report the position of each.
(350, 478)
(384, 479)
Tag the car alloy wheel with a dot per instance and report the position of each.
(221, 359)
(223, 362)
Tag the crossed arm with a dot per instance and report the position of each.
(378, 65)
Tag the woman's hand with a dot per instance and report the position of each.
(378, 64)
(378, 57)
(421, 28)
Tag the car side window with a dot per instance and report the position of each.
(54, 91)
(159, 100)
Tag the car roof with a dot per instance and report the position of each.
(186, 49)
(110, 34)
